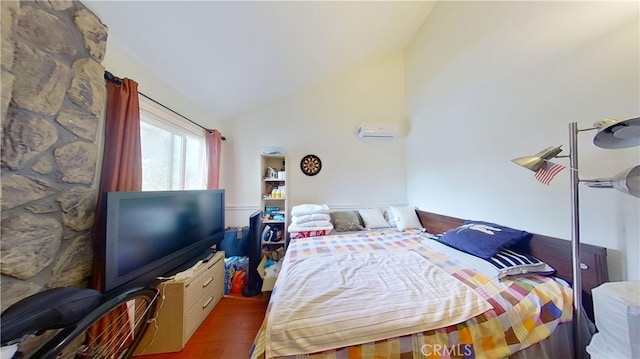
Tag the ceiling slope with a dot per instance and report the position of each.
(232, 57)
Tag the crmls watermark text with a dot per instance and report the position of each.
(459, 350)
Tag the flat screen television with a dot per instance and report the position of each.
(154, 233)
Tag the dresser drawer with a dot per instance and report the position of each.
(197, 314)
(201, 284)
(185, 304)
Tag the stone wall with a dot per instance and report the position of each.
(53, 98)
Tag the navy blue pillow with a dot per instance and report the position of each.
(483, 239)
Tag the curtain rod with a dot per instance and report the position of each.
(110, 77)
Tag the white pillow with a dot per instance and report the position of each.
(388, 216)
(373, 218)
(405, 217)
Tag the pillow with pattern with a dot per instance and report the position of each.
(346, 221)
(510, 263)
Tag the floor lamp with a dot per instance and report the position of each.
(611, 134)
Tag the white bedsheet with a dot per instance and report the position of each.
(398, 293)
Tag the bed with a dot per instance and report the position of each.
(527, 316)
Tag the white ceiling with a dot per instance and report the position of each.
(229, 57)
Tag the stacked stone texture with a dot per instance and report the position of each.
(53, 97)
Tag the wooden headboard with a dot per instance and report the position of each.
(554, 251)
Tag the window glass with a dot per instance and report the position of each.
(195, 166)
(173, 153)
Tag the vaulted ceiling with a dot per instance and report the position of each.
(229, 57)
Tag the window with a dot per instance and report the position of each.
(173, 152)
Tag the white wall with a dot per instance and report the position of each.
(323, 121)
(152, 85)
(490, 81)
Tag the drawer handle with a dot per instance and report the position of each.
(207, 282)
(207, 302)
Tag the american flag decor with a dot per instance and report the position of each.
(549, 170)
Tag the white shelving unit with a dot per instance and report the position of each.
(274, 193)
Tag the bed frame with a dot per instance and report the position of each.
(554, 251)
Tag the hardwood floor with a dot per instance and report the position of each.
(227, 333)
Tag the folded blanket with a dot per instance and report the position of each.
(302, 209)
(363, 297)
(297, 228)
(314, 224)
(310, 217)
(305, 234)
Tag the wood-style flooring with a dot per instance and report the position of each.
(227, 333)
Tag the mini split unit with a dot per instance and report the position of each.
(378, 130)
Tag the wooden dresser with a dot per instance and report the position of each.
(182, 307)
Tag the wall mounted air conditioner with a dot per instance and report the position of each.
(378, 130)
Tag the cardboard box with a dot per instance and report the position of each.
(267, 283)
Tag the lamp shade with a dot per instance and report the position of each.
(627, 181)
(617, 134)
(536, 161)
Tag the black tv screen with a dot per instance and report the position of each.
(149, 234)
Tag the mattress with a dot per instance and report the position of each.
(525, 310)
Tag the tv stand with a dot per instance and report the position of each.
(183, 306)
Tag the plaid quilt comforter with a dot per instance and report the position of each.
(525, 310)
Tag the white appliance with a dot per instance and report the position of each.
(616, 307)
(378, 130)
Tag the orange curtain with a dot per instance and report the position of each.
(122, 161)
(213, 144)
(121, 171)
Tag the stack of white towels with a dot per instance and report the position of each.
(311, 219)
